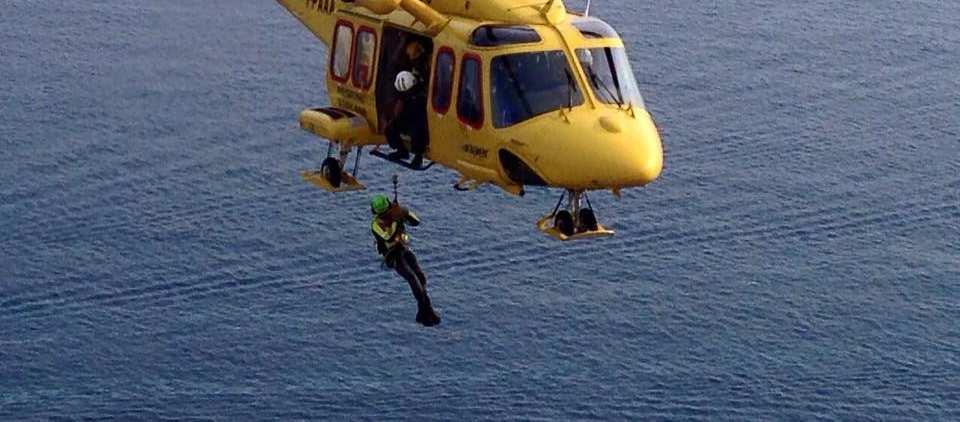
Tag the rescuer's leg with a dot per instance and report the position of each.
(425, 313)
(415, 266)
(423, 301)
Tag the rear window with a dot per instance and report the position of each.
(443, 80)
(365, 47)
(497, 35)
(342, 51)
(470, 98)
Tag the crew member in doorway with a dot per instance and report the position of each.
(409, 121)
(389, 230)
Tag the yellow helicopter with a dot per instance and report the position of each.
(515, 93)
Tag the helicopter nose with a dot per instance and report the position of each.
(635, 156)
(610, 152)
(647, 157)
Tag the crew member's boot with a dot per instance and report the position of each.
(398, 155)
(417, 162)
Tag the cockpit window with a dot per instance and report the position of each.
(608, 71)
(594, 28)
(498, 35)
(526, 85)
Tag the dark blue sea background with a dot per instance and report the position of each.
(799, 259)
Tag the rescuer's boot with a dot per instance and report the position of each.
(427, 316)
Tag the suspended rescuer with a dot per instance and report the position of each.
(389, 230)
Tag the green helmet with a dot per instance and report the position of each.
(379, 204)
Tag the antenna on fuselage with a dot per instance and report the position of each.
(587, 11)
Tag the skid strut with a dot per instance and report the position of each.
(573, 221)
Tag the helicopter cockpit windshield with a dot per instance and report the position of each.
(607, 68)
(610, 76)
(529, 84)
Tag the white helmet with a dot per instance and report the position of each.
(405, 81)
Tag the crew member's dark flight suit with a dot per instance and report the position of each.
(412, 118)
(391, 243)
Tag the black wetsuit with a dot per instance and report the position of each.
(412, 118)
(404, 262)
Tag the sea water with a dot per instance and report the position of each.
(798, 259)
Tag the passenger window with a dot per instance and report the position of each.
(342, 51)
(443, 80)
(366, 46)
(470, 99)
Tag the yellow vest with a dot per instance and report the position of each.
(388, 234)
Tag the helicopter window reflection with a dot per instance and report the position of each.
(342, 49)
(497, 35)
(470, 99)
(526, 85)
(610, 76)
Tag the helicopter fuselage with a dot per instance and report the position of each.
(516, 95)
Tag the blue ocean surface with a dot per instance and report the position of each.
(799, 259)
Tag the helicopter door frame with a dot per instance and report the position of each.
(392, 46)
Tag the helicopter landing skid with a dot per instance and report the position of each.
(405, 164)
(317, 178)
(545, 225)
(573, 222)
(332, 175)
